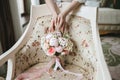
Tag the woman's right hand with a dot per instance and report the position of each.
(61, 22)
(53, 23)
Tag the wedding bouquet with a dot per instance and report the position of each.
(56, 43)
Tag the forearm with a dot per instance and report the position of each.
(71, 7)
(53, 7)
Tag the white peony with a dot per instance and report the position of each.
(53, 42)
(49, 36)
(59, 49)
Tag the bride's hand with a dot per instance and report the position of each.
(61, 22)
(53, 23)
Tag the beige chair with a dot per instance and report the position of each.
(88, 60)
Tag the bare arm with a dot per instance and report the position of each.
(53, 7)
(55, 11)
(71, 7)
(62, 16)
(59, 18)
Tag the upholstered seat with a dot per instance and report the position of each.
(109, 19)
(87, 57)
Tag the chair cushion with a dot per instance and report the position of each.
(108, 16)
(83, 58)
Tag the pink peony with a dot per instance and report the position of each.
(51, 51)
(59, 49)
(54, 42)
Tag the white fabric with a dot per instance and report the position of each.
(94, 3)
(58, 65)
(81, 1)
(34, 2)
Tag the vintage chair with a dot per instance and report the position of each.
(88, 60)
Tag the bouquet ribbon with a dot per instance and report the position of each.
(58, 65)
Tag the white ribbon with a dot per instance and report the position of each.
(57, 64)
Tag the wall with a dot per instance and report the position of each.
(17, 8)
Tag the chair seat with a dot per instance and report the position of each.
(84, 61)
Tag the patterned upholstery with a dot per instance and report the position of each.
(82, 60)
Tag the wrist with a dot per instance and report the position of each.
(64, 14)
(54, 14)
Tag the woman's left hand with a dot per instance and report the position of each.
(61, 22)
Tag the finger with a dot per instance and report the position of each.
(66, 27)
(57, 23)
(56, 19)
(60, 24)
(51, 29)
(62, 28)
